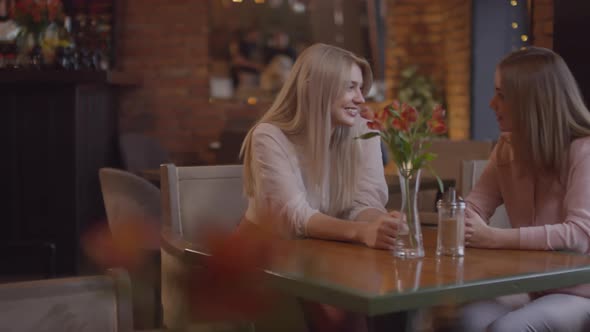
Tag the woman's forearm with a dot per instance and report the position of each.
(322, 226)
(370, 214)
(506, 238)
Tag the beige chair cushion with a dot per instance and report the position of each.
(200, 197)
(85, 304)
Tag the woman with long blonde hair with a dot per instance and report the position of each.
(305, 173)
(303, 164)
(540, 171)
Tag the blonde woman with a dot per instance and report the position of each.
(540, 170)
(303, 165)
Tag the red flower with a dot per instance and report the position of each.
(367, 113)
(409, 114)
(438, 113)
(383, 115)
(375, 125)
(400, 124)
(437, 127)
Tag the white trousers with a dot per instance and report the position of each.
(515, 313)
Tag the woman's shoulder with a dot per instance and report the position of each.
(268, 131)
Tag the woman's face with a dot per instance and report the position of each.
(503, 112)
(346, 108)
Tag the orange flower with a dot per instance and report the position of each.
(126, 247)
(231, 286)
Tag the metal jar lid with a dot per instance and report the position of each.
(450, 200)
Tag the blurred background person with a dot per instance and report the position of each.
(246, 59)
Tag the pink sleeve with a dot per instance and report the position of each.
(372, 191)
(574, 232)
(278, 191)
(485, 196)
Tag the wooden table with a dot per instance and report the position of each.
(374, 282)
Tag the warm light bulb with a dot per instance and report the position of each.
(258, 1)
(514, 25)
(236, 0)
(514, 3)
(524, 38)
(252, 100)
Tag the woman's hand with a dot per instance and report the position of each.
(477, 232)
(381, 233)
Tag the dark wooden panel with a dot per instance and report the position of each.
(571, 24)
(56, 136)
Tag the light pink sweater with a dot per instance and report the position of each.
(278, 162)
(551, 215)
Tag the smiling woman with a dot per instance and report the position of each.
(306, 175)
(257, 42)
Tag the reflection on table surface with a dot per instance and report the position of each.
(373, 281)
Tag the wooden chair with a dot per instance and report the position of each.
(128, 197)
(83, 304)
(195, 199)
(471, 171)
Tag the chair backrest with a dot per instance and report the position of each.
(451, 153)
(128, 197)
(471, 171)
(139, 152)
(83, 304)
(197, 197)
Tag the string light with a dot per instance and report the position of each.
(519, 28)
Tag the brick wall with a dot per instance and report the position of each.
(436, 36)
(166, 41)
(457, 65)
(543, 23)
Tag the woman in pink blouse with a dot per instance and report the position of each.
(540, 170)
(305, 173)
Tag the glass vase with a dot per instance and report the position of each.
(409, 239)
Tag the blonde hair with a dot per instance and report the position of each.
(547, 108)
(302, 108)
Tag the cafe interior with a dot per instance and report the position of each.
(123, 125)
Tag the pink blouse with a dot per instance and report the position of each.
(277, 164)
(551, 215)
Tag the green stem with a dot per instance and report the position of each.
(409, 214)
